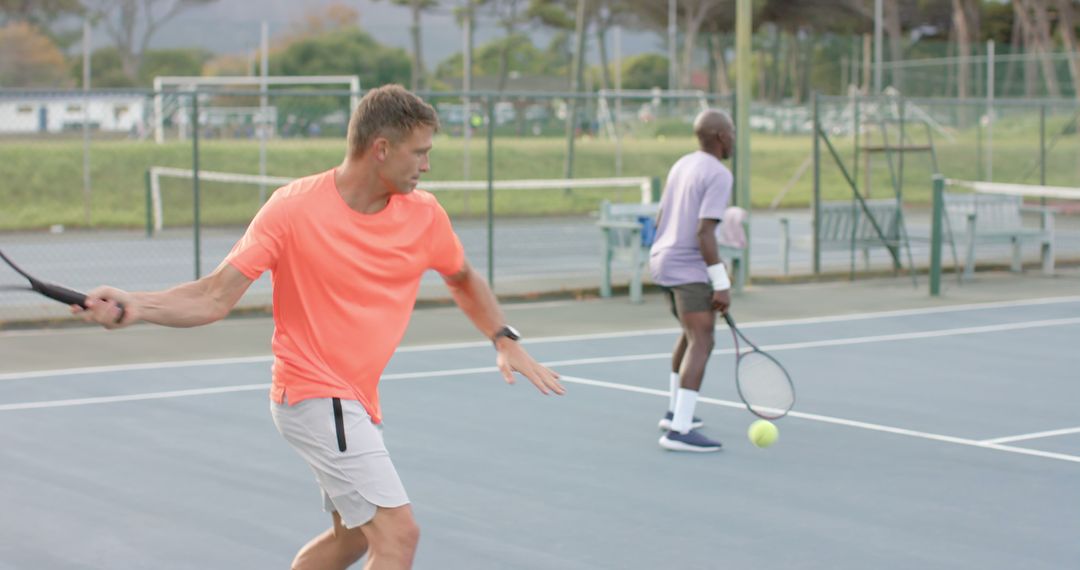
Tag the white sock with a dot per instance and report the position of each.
(675, 383)
(684, 410)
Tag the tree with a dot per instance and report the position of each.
(341, 52)
(131, 24)
(695, 12)
(559, 15)
(510, 14)
(718, 31)
(106, 69)
(416, 8)
(645, 71)
(317, 22)
(801, 27)
(965, 20)
(606, 14)
(37, 12)
(1035, 23)
(43, 14)
(30, 58)
(106, 66)
(498, 58)
(1067, 29)
(172, 62)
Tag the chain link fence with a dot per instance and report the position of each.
(80, 210)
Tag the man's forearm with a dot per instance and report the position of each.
(478, 302)
(187, 305)
(709, 250)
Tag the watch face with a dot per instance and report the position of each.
(509, 332)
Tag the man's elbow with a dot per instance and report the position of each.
(459, 280)
(220, 311)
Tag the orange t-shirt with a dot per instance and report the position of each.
(344, 283)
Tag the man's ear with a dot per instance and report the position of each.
(380, 149)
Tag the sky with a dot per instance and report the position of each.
(232, 26)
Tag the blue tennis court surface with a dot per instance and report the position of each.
(938, 437)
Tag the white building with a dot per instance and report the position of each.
(29, 113)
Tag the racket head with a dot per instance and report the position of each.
(764, 385)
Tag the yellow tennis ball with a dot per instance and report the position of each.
(762, 433)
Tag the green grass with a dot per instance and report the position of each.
(41, 181)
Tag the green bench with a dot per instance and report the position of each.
(622, 230)
(844, 225)
(976, 218)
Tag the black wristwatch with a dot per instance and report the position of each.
(507, 331)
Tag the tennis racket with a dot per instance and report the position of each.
(50, 290)
(763, 384)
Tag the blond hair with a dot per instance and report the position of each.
(390, 111)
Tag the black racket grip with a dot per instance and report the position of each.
(67, 296)
(59, 293)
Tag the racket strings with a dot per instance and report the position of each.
(764, 385)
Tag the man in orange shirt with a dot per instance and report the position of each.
(346, 249)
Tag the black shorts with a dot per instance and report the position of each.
(690, 298)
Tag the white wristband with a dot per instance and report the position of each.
(719, 277)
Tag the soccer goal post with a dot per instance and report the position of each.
(155, 221)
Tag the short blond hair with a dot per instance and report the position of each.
(390, 111)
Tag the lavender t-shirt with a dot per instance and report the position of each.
(698, 186)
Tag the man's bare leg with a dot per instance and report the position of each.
(337, 548)
(393, 536)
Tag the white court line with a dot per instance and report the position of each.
(218, 390)
(580, 361)
(840, 421)
(132, 397)
(647, 332)
(1036, 435)
(134, 367)
(991, 444)
(767, 324)
(833, 342)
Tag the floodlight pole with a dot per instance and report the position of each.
(159, 108)
(743, 57)
(196, 204)
(878, 16)
(618, 100)
(990, 110)
(742, 110)
(466, 86)
(263, 103)
(672, 31)
(86, 121)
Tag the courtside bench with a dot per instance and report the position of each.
(980, 218)
(845, 225)
(626, 230)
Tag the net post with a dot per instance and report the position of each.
(149, 205)
(817, 184)
(935, 235)
(196, 206)
(490, 189)
(1042, 159)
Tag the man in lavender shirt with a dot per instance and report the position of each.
(685, 260)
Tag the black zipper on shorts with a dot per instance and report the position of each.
(339, 423)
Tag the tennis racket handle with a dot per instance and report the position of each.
(62, 294)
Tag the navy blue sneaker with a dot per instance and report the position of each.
(692, 440)
(665, 423)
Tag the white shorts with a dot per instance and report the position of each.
(347, 454)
